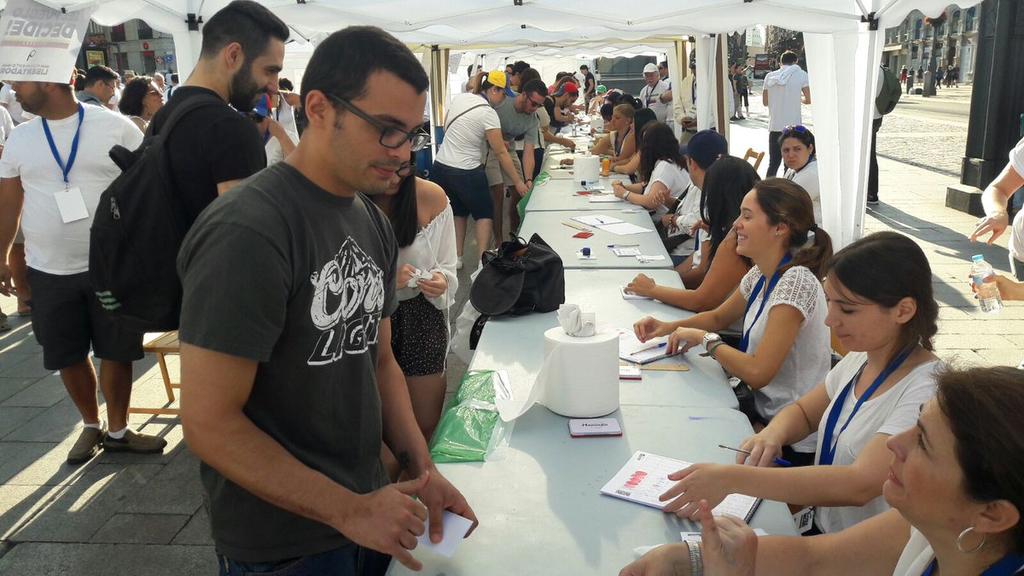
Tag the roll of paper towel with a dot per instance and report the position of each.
(588, 169)
(580, 376)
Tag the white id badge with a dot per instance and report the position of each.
(71, 204)
(804, 520)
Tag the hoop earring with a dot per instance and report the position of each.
(960, 538)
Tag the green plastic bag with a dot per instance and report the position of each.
(521, 206)
(470, 428)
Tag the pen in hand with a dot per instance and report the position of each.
(778, 461)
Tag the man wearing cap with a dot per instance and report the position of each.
(594, 108)
(561, 99)
(472, 131)
(519, 121)
(656, 94)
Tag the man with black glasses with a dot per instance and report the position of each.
(289, 383)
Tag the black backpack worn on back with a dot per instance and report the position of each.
(136, 233)
(890, 93)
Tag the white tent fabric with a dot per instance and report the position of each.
(844, 51)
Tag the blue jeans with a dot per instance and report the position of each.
(346, 561)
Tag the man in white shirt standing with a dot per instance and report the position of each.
(785, 90)
(52, 173)
(656, 94)
(8, 101)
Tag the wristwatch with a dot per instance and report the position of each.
(709, 341)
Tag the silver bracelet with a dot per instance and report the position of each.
(696, 559)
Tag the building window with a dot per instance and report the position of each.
(970, 22)
(117, 33)
(145, 32)
(913, 52)
(917, 29)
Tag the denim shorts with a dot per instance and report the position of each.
(345, 561)
(467, 190)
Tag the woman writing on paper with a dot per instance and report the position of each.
(887, 321)
(955, 481)
(784, 350)
(629, 165)
(662, 173)
(726, 183)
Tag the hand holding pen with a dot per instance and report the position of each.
(778, 461)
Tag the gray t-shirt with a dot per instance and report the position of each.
(515, 125)
(282, 272)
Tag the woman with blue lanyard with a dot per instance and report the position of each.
(887, 321)
(955, 483)
(784, 349)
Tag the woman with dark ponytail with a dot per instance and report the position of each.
(784, 351)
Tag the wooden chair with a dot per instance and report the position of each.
(163, 345)
(755, 156)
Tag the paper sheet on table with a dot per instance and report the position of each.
(630, 251)
(631, 349)
(597, 220)
(561, 174)
(644, 478)
(604, 199)
(624, 228)
(630, 296)
(455, 529)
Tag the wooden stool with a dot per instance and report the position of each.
(755, 156)
(162, 345)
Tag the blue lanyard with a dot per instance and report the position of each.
(745, 340)
(65, 168)
(1010, 564)
(828, 447)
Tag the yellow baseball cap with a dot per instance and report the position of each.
(498, 78)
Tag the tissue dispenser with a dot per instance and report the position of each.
(583, 373)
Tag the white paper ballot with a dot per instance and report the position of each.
(597, 220)
(624, 228)
(631, 296)
(455, 529)
(604, 199)
(71, 204)
(626, 251)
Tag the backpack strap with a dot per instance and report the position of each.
(185, 108)
(461, 114)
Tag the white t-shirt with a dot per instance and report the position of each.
(807, 178)
(465, 138)
(785, 87)
(285, 116)
(649, 97)
(6, 125)
(810, 357)
(675, 179)
(13, 106)
(891, 412)
(1017, 231)
(52, 246)
(433, 250)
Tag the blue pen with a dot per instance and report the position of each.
(778, 461)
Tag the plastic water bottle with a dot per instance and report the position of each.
(984, 279)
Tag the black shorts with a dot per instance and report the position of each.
(467, 190)
(67, 320)
(419, 337)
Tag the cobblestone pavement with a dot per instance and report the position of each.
(124, 514)
(914, 133)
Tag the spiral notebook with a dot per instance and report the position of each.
(645, 477)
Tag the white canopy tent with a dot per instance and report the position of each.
(843, 40)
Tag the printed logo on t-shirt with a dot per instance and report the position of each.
(348, 298)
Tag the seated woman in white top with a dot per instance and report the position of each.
(955, 481)
(887, 321)
(662, 173)
(784, 351)
(422, 219)
(801, 160)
